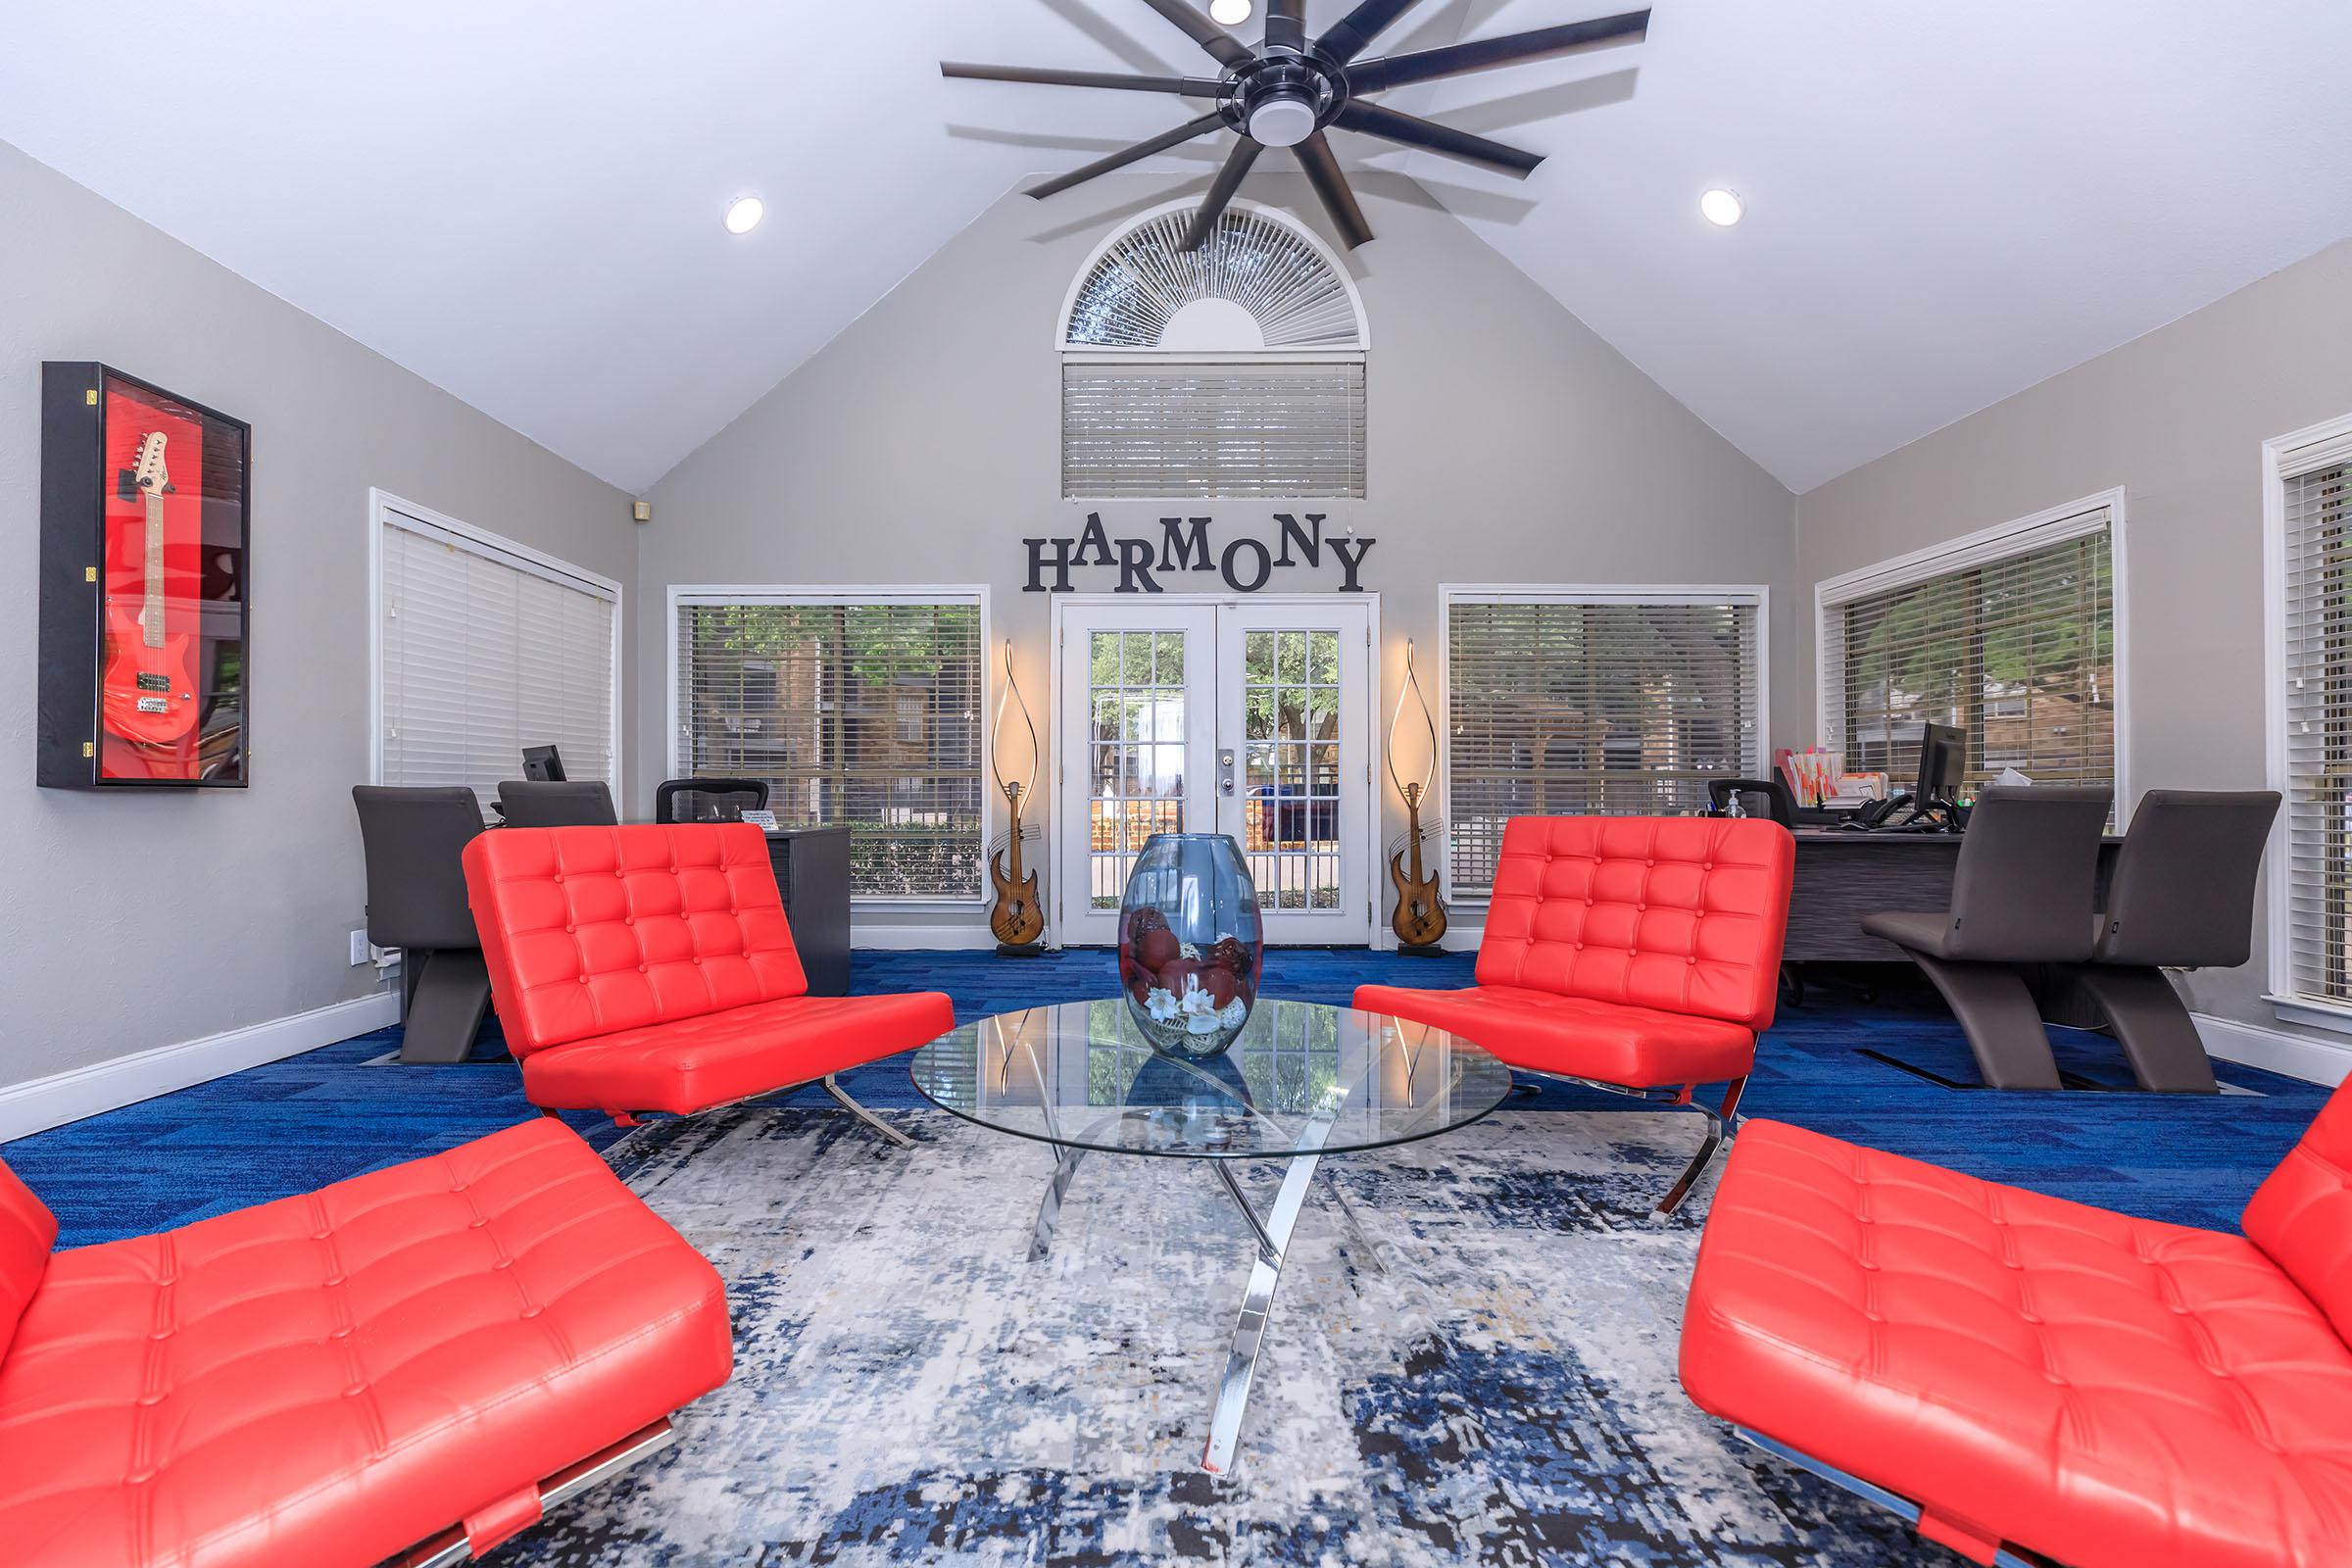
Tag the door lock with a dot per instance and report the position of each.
(1225, 772)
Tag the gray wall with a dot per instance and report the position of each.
(2177, 418)
(1506, 443)
(131, 923)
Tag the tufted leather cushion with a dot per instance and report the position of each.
(591, 930)
(329, 1379)
(1641, 1047)
(2302, 1216)
(698, 1063)
(1683, 914)
(2112, 1392)
(28, 1231)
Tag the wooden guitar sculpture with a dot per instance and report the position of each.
(1420, 918)
(1017, 919)
(148, 692)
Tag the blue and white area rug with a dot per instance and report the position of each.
(1494, 1385)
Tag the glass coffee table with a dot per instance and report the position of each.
(1303, 1081)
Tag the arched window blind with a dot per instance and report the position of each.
(1235, 370)
(1566, 703)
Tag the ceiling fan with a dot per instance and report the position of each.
(1288, 91)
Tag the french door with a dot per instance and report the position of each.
(1249, 718)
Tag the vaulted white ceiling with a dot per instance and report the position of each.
(520, 199)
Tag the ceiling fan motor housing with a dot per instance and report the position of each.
(1281, 99)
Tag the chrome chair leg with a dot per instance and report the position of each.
(1719, 1126)
(833, 1088)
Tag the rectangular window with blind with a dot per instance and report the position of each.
(2310, 617)
(1562, 702)
(2011, 635)
(860, 711)
(484, 647)
(1153, 430)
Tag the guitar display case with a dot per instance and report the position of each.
(146, 528)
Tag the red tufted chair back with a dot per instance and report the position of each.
(1681, 913)
(28, 1231)
(2301, 1215)
(590, 930)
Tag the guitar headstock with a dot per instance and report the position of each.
(149, 473)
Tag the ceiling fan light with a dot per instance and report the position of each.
(1229, 12)
(1722, 208)
(744, 213)
(1281, 122)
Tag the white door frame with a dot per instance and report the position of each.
(1375, 749)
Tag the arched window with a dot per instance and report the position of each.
(1235, 370)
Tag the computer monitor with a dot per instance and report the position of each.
(541, 765)
(1942, 760)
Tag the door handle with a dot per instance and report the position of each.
(1225, 772)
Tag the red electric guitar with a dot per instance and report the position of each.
(148, 693)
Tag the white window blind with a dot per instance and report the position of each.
(486, 653)
(863, 715)
(2317, 626)
(2015, 645)
(1559, 706)
(1153, 429)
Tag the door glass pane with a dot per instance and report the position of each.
(1291, 816)
(1137, 785)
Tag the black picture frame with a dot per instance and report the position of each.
(77, 743)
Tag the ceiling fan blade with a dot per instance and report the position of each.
(1390, 126)
(1323, 172)
(1220, 192)
(1182, 87)
(1229, 50)
(1213, 121)
(1485, 54)
(1285, 25)
(1353, 32)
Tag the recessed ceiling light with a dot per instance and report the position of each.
(744, 213)
(1231, 13)
(1722, 208)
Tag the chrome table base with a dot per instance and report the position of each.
(1273, 1236)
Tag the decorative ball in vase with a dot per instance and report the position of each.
(1191, 943)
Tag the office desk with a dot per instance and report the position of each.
(812, 873)
(1842, 876)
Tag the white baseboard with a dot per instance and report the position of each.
(944, 938)
(2319, 1061)
(61, 1097)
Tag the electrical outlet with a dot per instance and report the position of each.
(359, 948)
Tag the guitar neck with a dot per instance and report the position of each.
(1412, 818)
(151, 613)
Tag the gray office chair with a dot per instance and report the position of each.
(2181, 896)
(708, 800)
(572, 803)
(412, 839)
(2024, 892)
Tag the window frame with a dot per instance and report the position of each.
(383, 507)
(2278, 462)
(2020, 536)
(684, 595)
(1634, 594)
(1066, 352)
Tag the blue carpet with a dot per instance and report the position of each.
(296, 1124)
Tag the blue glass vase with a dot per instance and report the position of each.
(1190, 943)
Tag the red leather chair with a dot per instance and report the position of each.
(422, 1359)
(1635, 954)
(2015, 1373)
(651, 970)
